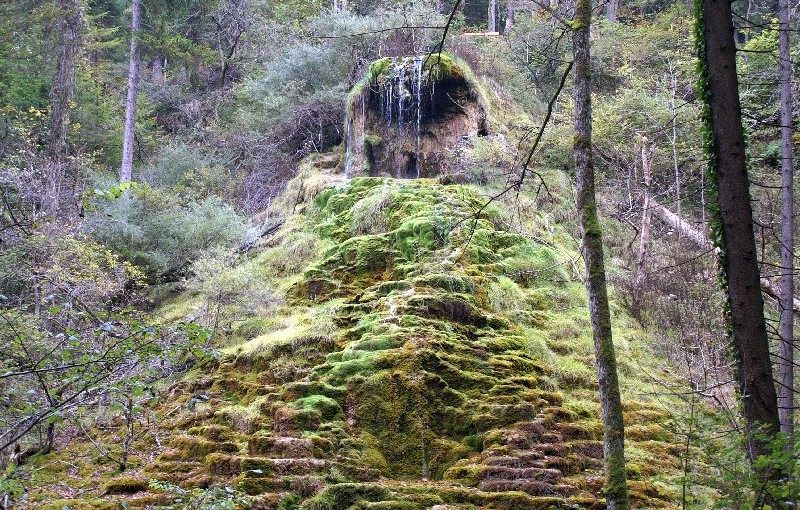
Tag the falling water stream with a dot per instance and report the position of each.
(418, 63)
(400, 96)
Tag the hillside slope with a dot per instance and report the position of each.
(424, 358)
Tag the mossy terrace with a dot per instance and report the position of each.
(426, 358)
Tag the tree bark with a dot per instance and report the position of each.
(158, 72)
(611, 10)
(786, 393)
(683, 227)
(492, 25)
(616, 487)
(69, 32)
(510, 18)
(644, 238)
(733, 223)
(674, 140)
(135, 61)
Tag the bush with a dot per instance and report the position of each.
(230, 291)
(163, 235)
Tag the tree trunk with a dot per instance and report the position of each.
(158, 72)
(616, 488)
(732, 222)
(510, 18)
(786, 401)
(69, 31)
(681, 226)
(688, 231)
(644, 238)
(126, 168)
(674, 112)
(492, 26)
(611, 10)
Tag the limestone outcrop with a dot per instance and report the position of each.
(407, 112)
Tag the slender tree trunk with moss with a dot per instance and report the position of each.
(68, 33)
(510, 15)
(732, 219)
(616, 488)
(648, 152)
(492, 25)
(786, 402)
(126, 168)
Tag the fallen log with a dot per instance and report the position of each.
(699, 238)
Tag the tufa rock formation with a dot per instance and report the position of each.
(421, 354)
(407, 112)
(426, 359)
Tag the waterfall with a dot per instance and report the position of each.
(348, 149)
(400, 94)
(418, 65)
(388, 102)
(401, 88)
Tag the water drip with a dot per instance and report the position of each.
(401, 88)
(348, 154)
(418, 65)
(396, 120)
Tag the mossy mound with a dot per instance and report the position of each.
(428, 358)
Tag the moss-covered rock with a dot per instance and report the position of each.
(425, 356)
(405, 111)
(127, 485)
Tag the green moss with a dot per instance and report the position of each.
(372, 139)
(468, 474)
(393, 505)
(195, 448)
(126, 485)
(257, 485)
(417, 236)
(414, 347)
(452, 283)
(257, 467)
(288, 419)
(327, 407)
(79, 504)
(213, 432)
(222, 464)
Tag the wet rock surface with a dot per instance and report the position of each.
(407, 112)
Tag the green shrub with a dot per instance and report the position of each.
(162, 234)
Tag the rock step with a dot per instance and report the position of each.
(299, 466)
(588, 448)
(280, 446)
(516, 459)
(528, 435)
(255, 467)
(510, 473)
(354, 470)
(532, 487)
(190, 447)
